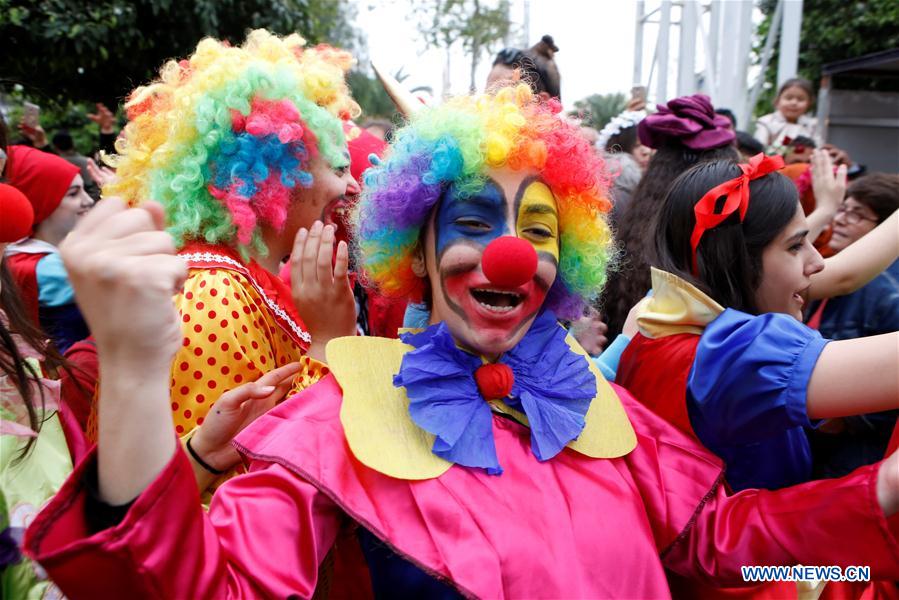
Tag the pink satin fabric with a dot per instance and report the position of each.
(570, 527)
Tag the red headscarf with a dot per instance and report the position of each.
(44, 178)
(17, 214)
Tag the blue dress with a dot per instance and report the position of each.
(746, 396)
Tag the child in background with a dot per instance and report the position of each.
(789, 119)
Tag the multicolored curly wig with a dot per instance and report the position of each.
(222, 138)
(456, 143)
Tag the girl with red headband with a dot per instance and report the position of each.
(722, 352)
(55, 190)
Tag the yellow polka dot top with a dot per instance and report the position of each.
(234, 332)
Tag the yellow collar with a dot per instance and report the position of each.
(382, 435)
(675, 307)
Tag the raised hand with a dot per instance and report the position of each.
(828, 185)
(104, 118)
(590, 332)
(322, 295)
(838, 155)
(35, 133)
(124, 271)
(234, 410)
(100, 174)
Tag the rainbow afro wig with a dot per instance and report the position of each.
(223, 138)
(457, 143)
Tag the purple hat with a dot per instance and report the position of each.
(689, 121)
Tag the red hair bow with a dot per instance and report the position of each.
(737, 192)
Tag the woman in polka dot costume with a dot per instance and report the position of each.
(248, 163)
(231, 337)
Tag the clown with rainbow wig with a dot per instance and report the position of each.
(244, 148)
(481, 456)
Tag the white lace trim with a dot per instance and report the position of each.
(272, 305)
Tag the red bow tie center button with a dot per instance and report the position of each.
(494, 380)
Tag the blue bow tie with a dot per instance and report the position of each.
(553, 386)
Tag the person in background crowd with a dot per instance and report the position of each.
(626, 156)
(683, 133)
(535, 66)
(841, 445)
(106, 121)
(507, 69)
(748, 146)
(798, 150)
(56, 191)
(726, 112)
(380, 128)
(35, 136)
(548, 79)
(789, 120)
(64, 146)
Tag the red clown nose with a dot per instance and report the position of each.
(509, 261)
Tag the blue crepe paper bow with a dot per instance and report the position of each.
(553, 387)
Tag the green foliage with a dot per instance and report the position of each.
(833, 30)
(65, 51)
(597, 110)
(71, 116)
(474, 24)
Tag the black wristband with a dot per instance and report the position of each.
(200, 461)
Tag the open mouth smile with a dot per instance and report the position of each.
(498, 301)
(335, 212)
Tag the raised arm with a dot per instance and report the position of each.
(859, 263)
(128, 521)
(853, 377)
(124, 271)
